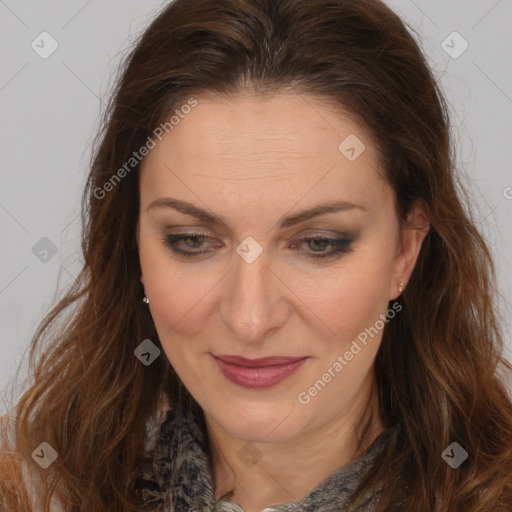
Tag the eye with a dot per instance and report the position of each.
(192, 244)
(318, 243)
(196, 240)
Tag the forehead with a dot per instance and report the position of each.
(258, 150)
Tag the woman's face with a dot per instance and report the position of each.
(256, 166)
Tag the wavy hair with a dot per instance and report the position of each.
(439, 361)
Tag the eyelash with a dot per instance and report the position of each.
(342, 245)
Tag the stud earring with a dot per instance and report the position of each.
(401, 287)
(145, 300)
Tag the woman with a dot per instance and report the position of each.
(285, 304)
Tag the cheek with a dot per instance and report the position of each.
(354, 295)
(338, 302)
(180, 312)
(180, 293)
(177, 301)
(168, 289)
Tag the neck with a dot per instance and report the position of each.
(288, 471)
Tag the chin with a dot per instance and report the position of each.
(259, 422)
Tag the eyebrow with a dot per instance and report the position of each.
(209, 217)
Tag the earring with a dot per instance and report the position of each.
(145, 300)
(401, 287)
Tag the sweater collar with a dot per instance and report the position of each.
(179, 478)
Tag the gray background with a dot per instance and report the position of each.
(50, 110)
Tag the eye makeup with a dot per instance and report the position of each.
(193, 245)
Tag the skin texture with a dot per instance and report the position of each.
(254, 160)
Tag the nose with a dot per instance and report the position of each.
(253, 302)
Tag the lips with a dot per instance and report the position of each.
(258, 373)
(258, 363)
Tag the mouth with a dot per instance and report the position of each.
(258, 373)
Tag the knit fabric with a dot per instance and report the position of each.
(180, 480)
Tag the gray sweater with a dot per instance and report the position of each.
(179, 479)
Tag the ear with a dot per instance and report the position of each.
(413, 233)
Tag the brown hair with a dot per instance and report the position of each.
(437, 367)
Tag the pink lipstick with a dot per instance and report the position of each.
(258, 373)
